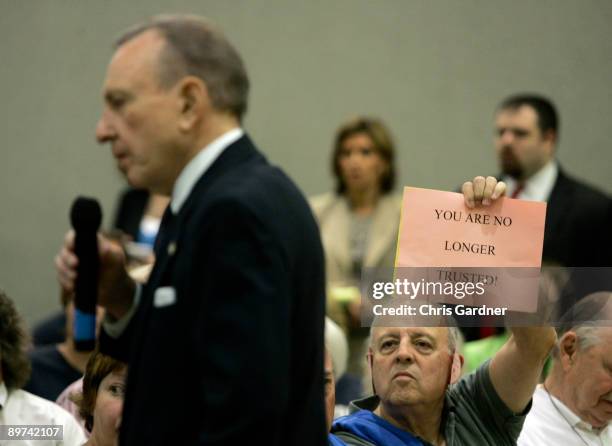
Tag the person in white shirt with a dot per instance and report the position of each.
(19, 410)
(574, 405)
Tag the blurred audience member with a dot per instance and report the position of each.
(18, 407)
(578, 217)
(358, 221)
(330, 397)
(101, 401)
(137, 221)
(138, 217)
(337, 347)
(481, 350)
(552, 281)
(55, 367)
(330, 389)
(574, 405)
(50, 329)
(67, 400)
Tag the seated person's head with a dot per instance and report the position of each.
(14, 364)
(336, 355)
(330, 389)
(101, 402)
(582, 359)
(363, 156)
(337, 346)
(413, 365)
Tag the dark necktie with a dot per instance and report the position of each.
(166, 230)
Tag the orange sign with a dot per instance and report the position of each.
(438, 229)
(499, 245)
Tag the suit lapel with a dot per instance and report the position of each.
(559, 200)
(167, 237)
(235, 154)
(166, 248)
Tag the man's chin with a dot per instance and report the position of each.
(133, 179)
(513, 171)
(404, 398)
(599, 421)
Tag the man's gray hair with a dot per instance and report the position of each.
(585, 319)
(196, 47)
(455, 339)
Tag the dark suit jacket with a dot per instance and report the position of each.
(578, 229)
(578, 234)
(238, 357)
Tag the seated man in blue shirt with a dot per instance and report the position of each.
(419, 398)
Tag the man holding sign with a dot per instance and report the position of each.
(419, 396)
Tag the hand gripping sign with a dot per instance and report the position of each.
(495, 251)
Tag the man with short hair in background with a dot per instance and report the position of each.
(578, 216)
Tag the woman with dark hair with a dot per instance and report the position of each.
(101, 402)
(358, 222)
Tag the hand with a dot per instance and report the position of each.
(115, 287)
(482, 191)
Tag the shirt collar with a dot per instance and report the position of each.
(3, 394)
(371, 403)
(573, 419)
(539, 186)
(198, 166)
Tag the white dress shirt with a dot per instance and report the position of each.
(546, 425)
(538, 187)
(200, 163)
(18, 407)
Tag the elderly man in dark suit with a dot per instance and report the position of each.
(227, 335)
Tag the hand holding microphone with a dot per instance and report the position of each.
(112, 285)
(85, 217)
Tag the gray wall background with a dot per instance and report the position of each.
(433, 70)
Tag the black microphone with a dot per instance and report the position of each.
(86, 217)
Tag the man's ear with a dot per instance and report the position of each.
(550, 139)
(370, 359)
(456, 367)
(193, 102)
(568, 346)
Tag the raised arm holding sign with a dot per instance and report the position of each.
(415, 368)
